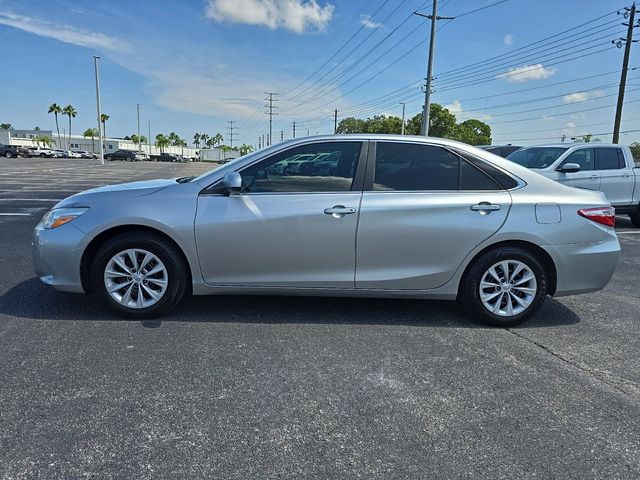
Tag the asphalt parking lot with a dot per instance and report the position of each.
(281, 387)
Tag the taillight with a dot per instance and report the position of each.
(602, 215)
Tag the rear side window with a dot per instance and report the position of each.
(502, 179)
(609, 158)
(414, 167)
(409, 167)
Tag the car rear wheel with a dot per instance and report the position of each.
(139, 275)
(8, 154)
(504, 287)
(635, 218)
(42, 155)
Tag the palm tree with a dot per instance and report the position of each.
(204, 138)
(196, 139)
(71, 112)
(6, 126)
(44, 140)
(93, 133)
(217, 139)
(245, 149)
(103, 118)
(56, 110)
(161, 142)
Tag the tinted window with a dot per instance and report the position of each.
(537, 157)
(472, 178)
(610, 158)
(319, 167)
(583, 157)
(406, 166)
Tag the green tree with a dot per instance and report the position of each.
(56, 110)
(588, 138)
(103, 118)
(162, 141)
(91, 133)
(441, 122)
(245, 149)
(472, 132)
(44, 140)
(70, 112)
(635, 150)
(135, 139)
(352, 125)
(217, 139)
(6, 126)
(174, 139)
(196, 139)
(204, 138)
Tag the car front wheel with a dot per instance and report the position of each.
(504, 287)
(139, 275)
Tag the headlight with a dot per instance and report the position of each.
(59, 216)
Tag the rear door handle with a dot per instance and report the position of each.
(594, 177)
(339, 211)
(485, 207)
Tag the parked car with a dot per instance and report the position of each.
(164, 157)
(608, 168)
(57, 153)
(72, 154)
(41, 152)
(453, 222)
(85, 154)
(126, 155)
(9, 151)
(501, 150)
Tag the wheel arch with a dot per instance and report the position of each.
(103, 237)
(546, 260)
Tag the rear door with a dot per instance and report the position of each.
(615, 179)
(423, 210)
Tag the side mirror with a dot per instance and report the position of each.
(232, 183)
(569, 168)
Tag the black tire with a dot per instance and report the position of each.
(177, 272)
(42, 155)
(9, 154)
(469, 295)
(635, 218)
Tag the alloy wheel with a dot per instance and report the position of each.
(508, 288)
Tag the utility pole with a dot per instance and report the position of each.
(259, 143)
(139, 139)
(281, 135)
(424, 131)
(335, 121)
(294, 129)
(271, 114)
(230, 130)
(630, 15)
(149, 139)
(95, 64)
(402, 128)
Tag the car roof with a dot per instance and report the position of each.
(577, 144)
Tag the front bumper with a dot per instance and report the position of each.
(57, 255)
(583, 268)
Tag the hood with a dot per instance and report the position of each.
(122, 190)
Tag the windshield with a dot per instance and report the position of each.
(536, 157)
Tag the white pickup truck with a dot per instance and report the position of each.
(609, 168)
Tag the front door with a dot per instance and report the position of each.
(587, 177)
(423, 212)
(293, 224)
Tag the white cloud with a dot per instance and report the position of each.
(63, 33)
(366, 21)
(582, 96)
(570, 125)
(454, 107)
(547, 118)
(294, 15)
(509, 39)
(526, 73)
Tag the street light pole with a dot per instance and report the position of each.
(139, 139)
(402, 128)
(95, 63)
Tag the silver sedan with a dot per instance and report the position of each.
(359, 215)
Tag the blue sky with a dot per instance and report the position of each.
(193, 65)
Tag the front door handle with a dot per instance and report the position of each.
(339, 211)
(485, 207)
(594, 177)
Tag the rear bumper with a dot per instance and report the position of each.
(583, 268)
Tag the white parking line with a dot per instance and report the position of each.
(30, 199)
(15, 214)
(636, 232)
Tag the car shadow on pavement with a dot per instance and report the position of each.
(33, 300)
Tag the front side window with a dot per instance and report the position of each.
(317, 167)
(583, 157)
(536, 157)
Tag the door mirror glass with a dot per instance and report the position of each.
(569, 168)
(232, 183)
